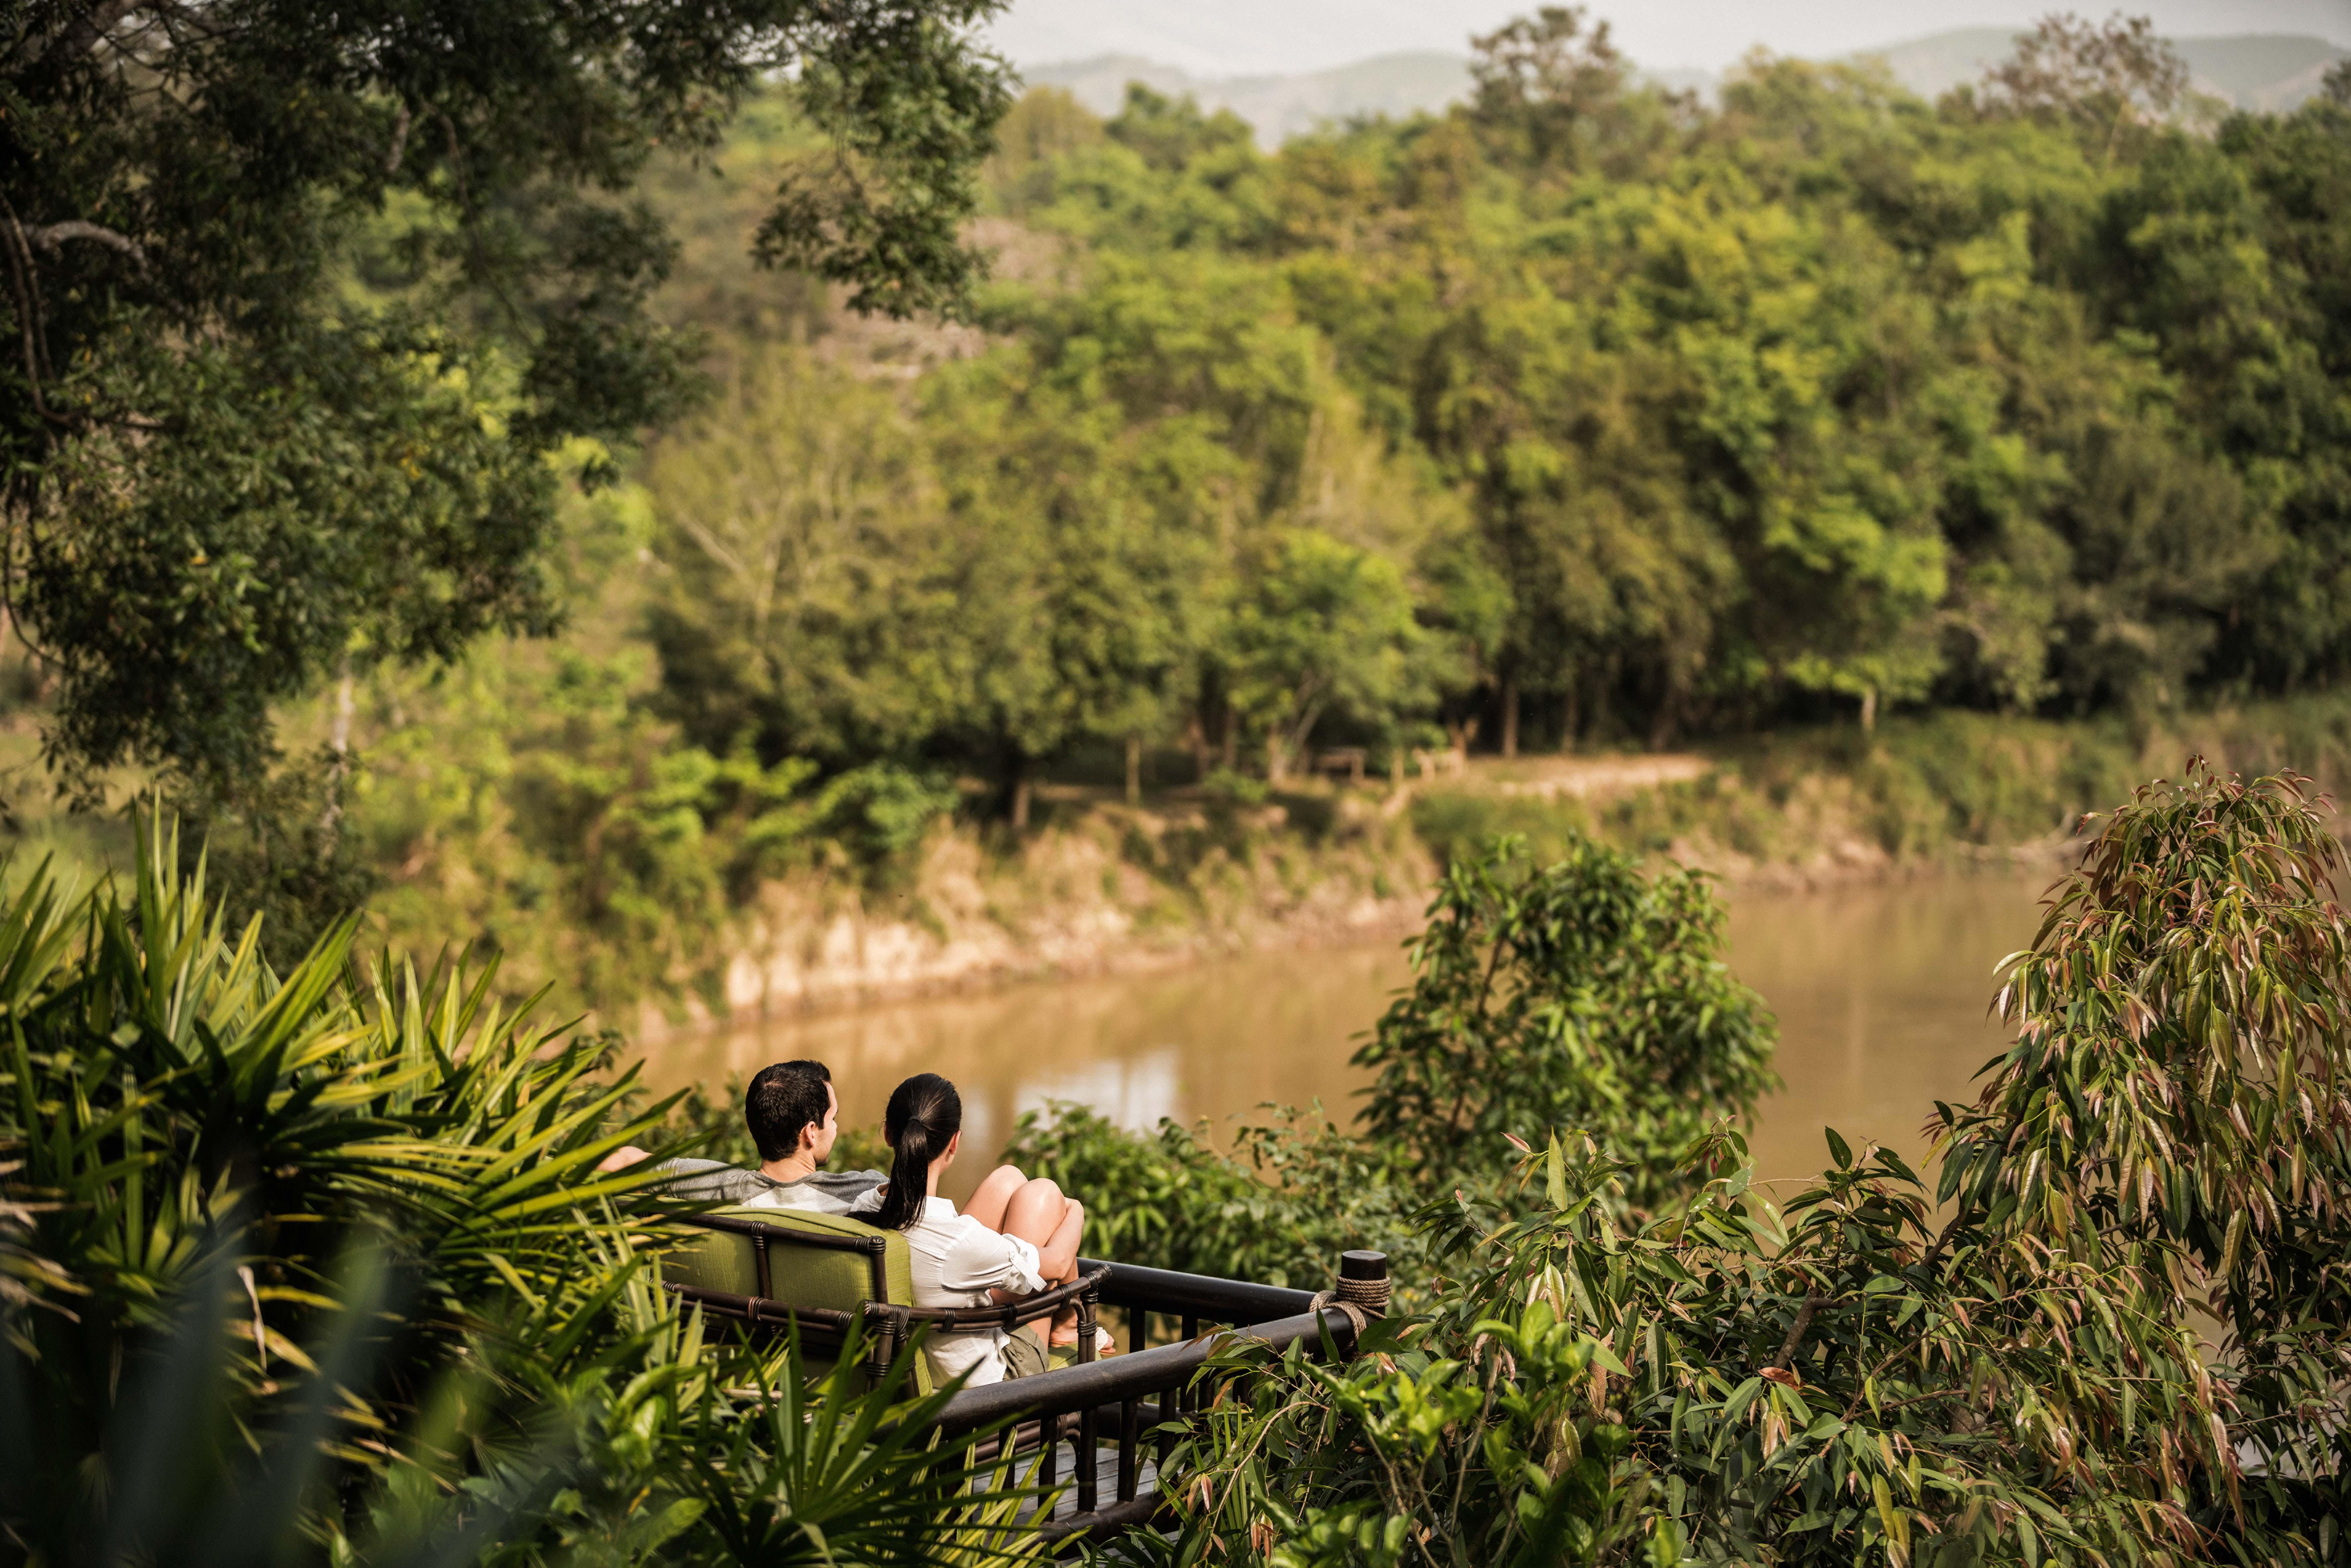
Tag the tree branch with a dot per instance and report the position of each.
(52, 235)
(20, 267)
(84, 32)
(398, 142)
(1814, 1302)
(1935, 1253)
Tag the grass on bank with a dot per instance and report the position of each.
(1935, 788)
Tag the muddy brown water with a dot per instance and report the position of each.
(1881, 994)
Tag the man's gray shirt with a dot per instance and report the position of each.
(825, 1192)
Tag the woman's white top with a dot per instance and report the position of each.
(955, 1261)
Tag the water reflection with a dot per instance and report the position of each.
(1880, 991)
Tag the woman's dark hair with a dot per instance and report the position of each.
(924, 1112)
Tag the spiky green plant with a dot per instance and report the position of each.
(319, 1267)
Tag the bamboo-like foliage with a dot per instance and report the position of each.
(2177, 1109)
(318, 1269)
(2019, 1363)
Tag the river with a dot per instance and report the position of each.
(1881, 993)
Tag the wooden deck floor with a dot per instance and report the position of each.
(1146, 1478)
(1065, 1459)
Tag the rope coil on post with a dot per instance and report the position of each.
(1363, 1289)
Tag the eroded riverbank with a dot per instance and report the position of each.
(1880, 990)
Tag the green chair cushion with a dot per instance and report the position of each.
(829, 1277)
(799, 1276)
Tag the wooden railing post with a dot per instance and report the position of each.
(1084, 1461)
(1363, 1282)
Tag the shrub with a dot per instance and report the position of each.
(2006, 1367)
(1577, 995)
(1294, 1193)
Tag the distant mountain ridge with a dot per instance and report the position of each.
(2270, 72)
(1279, 106)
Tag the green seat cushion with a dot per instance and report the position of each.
(799, 1275)
(832, 1278)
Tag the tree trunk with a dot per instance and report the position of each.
(1017, 786)
(1195, 737)
(1869, 711)
(1510, 716)
(1232, 740)
(1277, 758)
(1668, 719)
(1666, 725)
(340, 738)
(1567, 717)
(1134, 770)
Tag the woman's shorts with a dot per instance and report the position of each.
(1025, 1354)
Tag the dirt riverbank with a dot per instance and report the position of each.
(1103, 887)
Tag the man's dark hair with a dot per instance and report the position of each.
(782, 1100)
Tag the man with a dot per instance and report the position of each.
(794, 1116)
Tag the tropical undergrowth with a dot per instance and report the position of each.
(316, 1267)
(2104, 1326)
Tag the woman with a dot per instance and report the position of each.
(1016, 1237)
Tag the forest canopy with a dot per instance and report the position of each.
(1583, 412)
(1580, 415)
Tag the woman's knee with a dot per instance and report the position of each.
(991, 1201)
(1036, 1210)
(1004, 1181)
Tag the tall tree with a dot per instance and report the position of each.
(1321, 626)
(300, 299)
(800, 607)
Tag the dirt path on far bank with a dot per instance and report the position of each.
(1590, 777)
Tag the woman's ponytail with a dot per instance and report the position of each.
(923, 1115)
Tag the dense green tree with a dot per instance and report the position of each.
(1579, 994)
(1660, 417)
(303, 299)
(1321, 627)
(801, 606)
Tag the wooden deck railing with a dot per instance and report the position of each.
(1115, 1393)
(1118, 1399)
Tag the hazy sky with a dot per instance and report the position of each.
(1230, 37)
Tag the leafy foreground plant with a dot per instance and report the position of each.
(1858, 1378)
(1578, 994)
(307, 1269)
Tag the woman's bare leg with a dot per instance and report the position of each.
(1034, 1210)
(996, 1190)
(1056, 1226)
